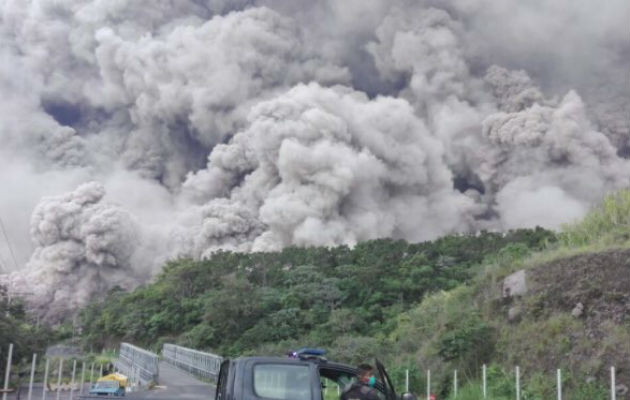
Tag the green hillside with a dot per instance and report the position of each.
(436, 305)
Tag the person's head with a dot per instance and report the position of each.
(366, 374)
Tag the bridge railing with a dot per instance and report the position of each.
(194, 361)
(137, 362)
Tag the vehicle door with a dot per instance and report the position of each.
(390, 392)
(221, 391)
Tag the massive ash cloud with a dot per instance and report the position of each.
(324, 166)
(135, 131)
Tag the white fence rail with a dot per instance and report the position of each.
(194, 361)
(517, 384)
(55, 372)
(134, 361)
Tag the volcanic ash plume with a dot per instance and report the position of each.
(84, 246)
(544, 155)
(323, 166)
(255, 124)
(192, 88)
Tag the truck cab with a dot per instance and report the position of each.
(297, 378)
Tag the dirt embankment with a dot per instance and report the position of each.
(575, 312)
(594, 289)
(600, 282)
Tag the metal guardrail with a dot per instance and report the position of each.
(134, 361)
(194, 361)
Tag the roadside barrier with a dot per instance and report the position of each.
(137, 363)
(194, 361)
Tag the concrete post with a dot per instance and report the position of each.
(613, 385)
(428, 384)
(483, 373)
(74, 370)
(45, 379)
(455, 383)
(82, 377)
(518, 384)
(59, 378)
(7, 373)
(559, 383)
(30, 382)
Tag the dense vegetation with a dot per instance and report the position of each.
(25, 333)
(433, 305)
(16, 327)
(233, 302)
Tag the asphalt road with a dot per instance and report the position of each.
(174, 385)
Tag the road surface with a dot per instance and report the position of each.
(174, 385)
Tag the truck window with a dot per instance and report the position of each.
(282, 381)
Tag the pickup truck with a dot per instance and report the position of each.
(302, 377)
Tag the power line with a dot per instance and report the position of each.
(3, 267)
(4, 232)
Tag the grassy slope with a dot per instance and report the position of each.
(465, 327)
(544, 337)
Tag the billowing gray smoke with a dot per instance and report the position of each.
(324, 166)
(83, 246)
(134, 131)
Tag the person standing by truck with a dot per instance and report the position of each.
(363, 389)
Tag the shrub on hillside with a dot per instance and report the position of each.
(607, 223)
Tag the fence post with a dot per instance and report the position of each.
(407, 381)
(518, 383)
(82, 377)
(59, 377)
(74, 370)
(613, 385)
(7, 373)
(559, 383)
(45, 379)
(428, 384)
(91, 375)
(30, 382)
(455, 383)
(483, 372)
